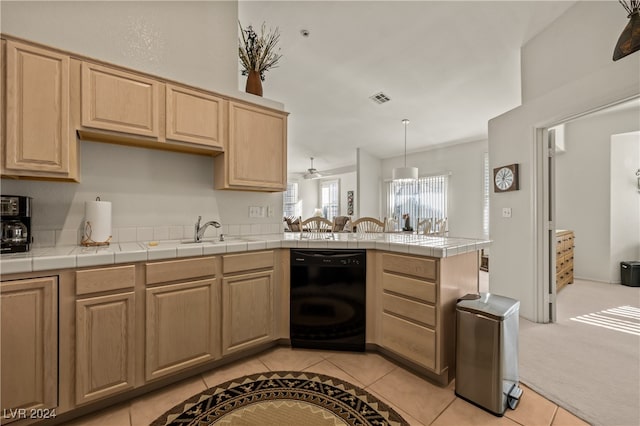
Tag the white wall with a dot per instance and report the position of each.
(308, 196)
(348, 182)
(465, 164)
(625, 201)
(584, 188)
(514, 271)
(191, 42)
(564, 51)
(369, 188)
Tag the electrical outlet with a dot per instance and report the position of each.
(506, 212)
(255, 211)
(270, 211)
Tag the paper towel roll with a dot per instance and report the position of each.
(97, 216)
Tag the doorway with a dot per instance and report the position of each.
(585, 185)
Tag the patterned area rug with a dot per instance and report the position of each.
(282, 398)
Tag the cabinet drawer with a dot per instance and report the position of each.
(411, 287)
(183, 269)
(247, 261)
(410, 340)
(418, 267)
(105, 279)
(410, 309)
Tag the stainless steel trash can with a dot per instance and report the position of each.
(487, 351)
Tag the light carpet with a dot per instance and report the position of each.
(588, 362)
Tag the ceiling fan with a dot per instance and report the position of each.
(312, 173)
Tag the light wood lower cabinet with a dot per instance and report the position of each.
(29, 344)
(105, 346)
(247, 300)
(182, 318)
(181, 326)
(105, 332)
(409, 307)
(417, 297)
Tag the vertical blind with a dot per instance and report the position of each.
(330, 202)
(425, 198)
(291, 200)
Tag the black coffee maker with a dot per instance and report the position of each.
(16, 224)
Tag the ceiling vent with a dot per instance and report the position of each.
(380, 98)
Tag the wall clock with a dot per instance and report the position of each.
(505, 178)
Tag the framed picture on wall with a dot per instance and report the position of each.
(350, 203)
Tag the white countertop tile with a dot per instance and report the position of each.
(62, 257)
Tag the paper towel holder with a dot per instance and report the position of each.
(86, 239)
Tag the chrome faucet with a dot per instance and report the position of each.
(199, 230)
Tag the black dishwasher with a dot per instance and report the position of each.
(328, 299)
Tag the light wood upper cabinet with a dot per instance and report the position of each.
(120, 101)
(29, 344)
(194, 116)
(256, 153)
(38, 139)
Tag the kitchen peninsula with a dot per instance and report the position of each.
(122, 311)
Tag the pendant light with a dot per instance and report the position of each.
(405, 173)
(629, 40)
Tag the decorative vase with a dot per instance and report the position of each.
(254, 84)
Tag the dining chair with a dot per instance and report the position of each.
(317, 224)
(368, 224)
(425, 226)
(342, 224)
(441, 227)
(293, 223)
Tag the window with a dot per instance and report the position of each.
(425, 198)
(291, 205)
(330, 198)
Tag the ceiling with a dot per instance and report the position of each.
(447, 66)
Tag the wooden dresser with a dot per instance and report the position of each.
(564, 258)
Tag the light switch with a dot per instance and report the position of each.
(506, 212)
(270, 211)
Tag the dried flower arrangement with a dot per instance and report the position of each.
(258, 53)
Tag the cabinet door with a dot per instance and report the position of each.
(247, 310)
(38, 133)
(105, 346)
(256, 155)
(29, 343)
(120, 101)
(194, 117)
(182, 326)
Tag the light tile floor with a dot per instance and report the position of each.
(416, 399)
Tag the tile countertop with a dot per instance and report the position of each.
(63, 257)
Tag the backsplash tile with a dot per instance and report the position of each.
(43, 238)
(127, 235)
(176, 232)
(144, 234)
(161, 233)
